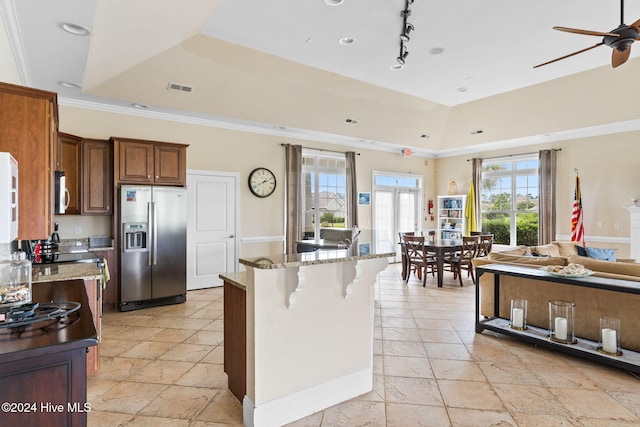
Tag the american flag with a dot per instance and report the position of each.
(577, 228)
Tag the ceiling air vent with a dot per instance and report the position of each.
(351, 121)
(179, 87)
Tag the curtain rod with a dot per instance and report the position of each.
(321, 149)
(514, 155)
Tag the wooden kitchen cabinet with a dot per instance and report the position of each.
(69, 160)
(97, 178)
(28, 130)
(150, 162)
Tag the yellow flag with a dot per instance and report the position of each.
(470, 211)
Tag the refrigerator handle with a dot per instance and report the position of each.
(150, 231)
(155, 234)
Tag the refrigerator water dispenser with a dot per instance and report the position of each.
(135, 237)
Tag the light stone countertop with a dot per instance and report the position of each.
(65, 271)
(368, 245)
(236, 279)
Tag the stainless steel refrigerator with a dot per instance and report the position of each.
(153, 246)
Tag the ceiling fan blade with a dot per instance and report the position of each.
(571, 54)
(619, 58)
(636, 25)
(585, 32)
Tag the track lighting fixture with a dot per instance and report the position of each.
(405, 34)
(406, 29)
(403, 54)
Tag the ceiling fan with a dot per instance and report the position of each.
(619, 40)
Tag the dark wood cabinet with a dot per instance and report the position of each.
(47, 366)
(235, 338)
(69, 160)
(97, 180)
(149, 162)
(110, 293)
(28, 130)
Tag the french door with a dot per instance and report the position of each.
(396, 210)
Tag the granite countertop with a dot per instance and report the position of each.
(236, 279)
(70, 271)
(369, 244)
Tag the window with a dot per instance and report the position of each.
(509, 200)
(324, 191)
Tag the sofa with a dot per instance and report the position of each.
(591, 304)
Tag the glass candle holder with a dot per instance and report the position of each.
(561, 314)
(518, 314)
(609, 341)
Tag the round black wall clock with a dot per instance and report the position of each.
(262, 182)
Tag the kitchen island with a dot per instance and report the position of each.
(43, 365)
(299, 329)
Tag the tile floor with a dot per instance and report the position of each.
(163, 366)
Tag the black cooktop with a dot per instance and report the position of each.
(58, 258)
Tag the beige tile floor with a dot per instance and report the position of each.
(163, 366)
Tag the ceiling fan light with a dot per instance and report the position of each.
(400, 60)
(404, 37)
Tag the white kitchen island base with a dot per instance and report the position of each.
(309, 333)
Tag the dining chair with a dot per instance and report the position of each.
(458, 261)
(430, 235)
(418, 259)
(485, 244)
(406, 270)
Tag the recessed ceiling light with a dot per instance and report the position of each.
(279, 127)
(75, 29)
(477, 132)
(424, 135)
(70, 85)
(334, 2)
(140, 106)
(397, 67)
(346, 40)
(462, 89)
(436, 50)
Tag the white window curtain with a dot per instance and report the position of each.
(476, 181)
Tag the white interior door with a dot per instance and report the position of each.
(212, 221)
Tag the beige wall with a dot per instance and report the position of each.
(607, 165)
(219, 149)
(609, 173)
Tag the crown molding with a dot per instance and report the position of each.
(10, 18)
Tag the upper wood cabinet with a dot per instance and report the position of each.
(28, 130)
(150, 162)
(69, 160)
(97, 177)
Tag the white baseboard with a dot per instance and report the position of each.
(305, 402)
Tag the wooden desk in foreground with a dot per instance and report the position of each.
(305, 339)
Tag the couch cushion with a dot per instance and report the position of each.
(624, 268)
(567, 248)
(546, 250)
(528, 260)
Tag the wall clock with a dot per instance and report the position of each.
(262, 182)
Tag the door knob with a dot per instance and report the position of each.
(231, 236)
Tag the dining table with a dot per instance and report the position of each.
(439, 247)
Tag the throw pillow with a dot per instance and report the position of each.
(603, 254)
(581, 251)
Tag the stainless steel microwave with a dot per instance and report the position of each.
(61, 196)
(8, 198)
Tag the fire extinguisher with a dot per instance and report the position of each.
(431, 209)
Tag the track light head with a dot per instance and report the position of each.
(405, 34)
(400, 60)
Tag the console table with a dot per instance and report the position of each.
(629, 360)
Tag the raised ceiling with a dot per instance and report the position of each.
(264, 66)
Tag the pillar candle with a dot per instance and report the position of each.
(561, 328)
(517, 318)
(609, 340)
